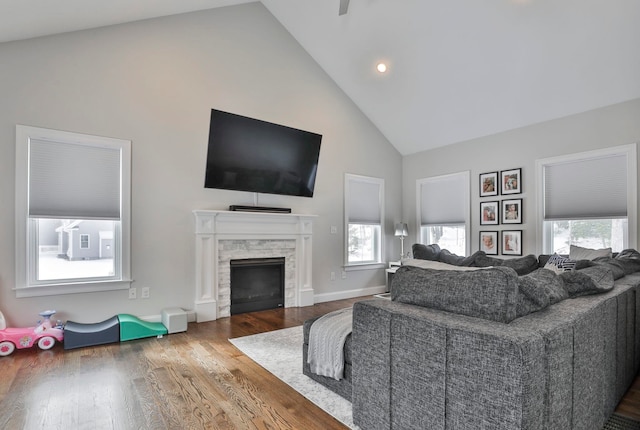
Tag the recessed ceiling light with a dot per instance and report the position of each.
(381, 67)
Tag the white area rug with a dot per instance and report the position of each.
(280, 352)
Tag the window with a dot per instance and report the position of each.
(364, 197)
(84, 241)
(588, 199)
(72, 212)
(443, 211)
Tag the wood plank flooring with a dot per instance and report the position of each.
(629, 406)
(192, 380)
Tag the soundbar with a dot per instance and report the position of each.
(259, 209)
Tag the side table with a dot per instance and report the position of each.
(393, 266)
(389, 272)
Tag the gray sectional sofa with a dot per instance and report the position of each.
(495, 348)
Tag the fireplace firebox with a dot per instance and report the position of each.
(257, 284)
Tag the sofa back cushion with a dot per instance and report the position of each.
(426, 252)
(490, 293)
(522, 265)
(580, 253)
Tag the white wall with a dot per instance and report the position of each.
(154, 82)
(610, 126)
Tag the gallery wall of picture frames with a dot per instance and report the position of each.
(506, 211)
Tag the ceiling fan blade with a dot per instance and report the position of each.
(344, 5)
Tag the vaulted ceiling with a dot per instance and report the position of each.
(457, 69)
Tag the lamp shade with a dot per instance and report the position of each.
(402, 230)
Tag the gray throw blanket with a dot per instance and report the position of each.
(326, 343)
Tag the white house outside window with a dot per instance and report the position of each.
(588, 200)
(443, 211)
(72, 212)
(364, 197)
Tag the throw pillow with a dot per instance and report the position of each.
(580, 253)
(559, 264)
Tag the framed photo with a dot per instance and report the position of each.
(489, 242)
(489, 213)
(488, 184)
(511, 242)
(512, 211)
(511, 181)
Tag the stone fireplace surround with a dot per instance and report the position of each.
(222, 236)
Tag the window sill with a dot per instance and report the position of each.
(59, 289)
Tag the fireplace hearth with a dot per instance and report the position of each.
(257, 284)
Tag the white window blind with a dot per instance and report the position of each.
(363, 203)
(68, 180)
(443, 199)
(588, 188)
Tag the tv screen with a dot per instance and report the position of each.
(247, 154)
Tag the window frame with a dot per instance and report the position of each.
(466, 177)
(26, 239)
(88, 241)
(377, 239)
(424, 233)
(381, 241)
(545, 243)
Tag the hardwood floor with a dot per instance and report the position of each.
(629, 406)
(192, 380)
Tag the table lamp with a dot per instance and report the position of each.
(402, 231)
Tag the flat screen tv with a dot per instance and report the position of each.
(248, 154)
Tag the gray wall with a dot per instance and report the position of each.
(610, 126)
(154, 82)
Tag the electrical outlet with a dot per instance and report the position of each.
(133, 293)
(334, 229)
(144, 293)
(333, 276)
(344, 274)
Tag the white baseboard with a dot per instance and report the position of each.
(191, 317)
(318, 298)
(349, 294)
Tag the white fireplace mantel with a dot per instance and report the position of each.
(213, 226)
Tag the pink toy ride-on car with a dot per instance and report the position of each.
(44, 334)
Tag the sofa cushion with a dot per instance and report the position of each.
(592, 280)
(543, 259)
(450, 258)
(630, 260)
(494, 293)
(491, 293)
(538, 290)
(522, 265)
(624, 263)
(425, 252)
